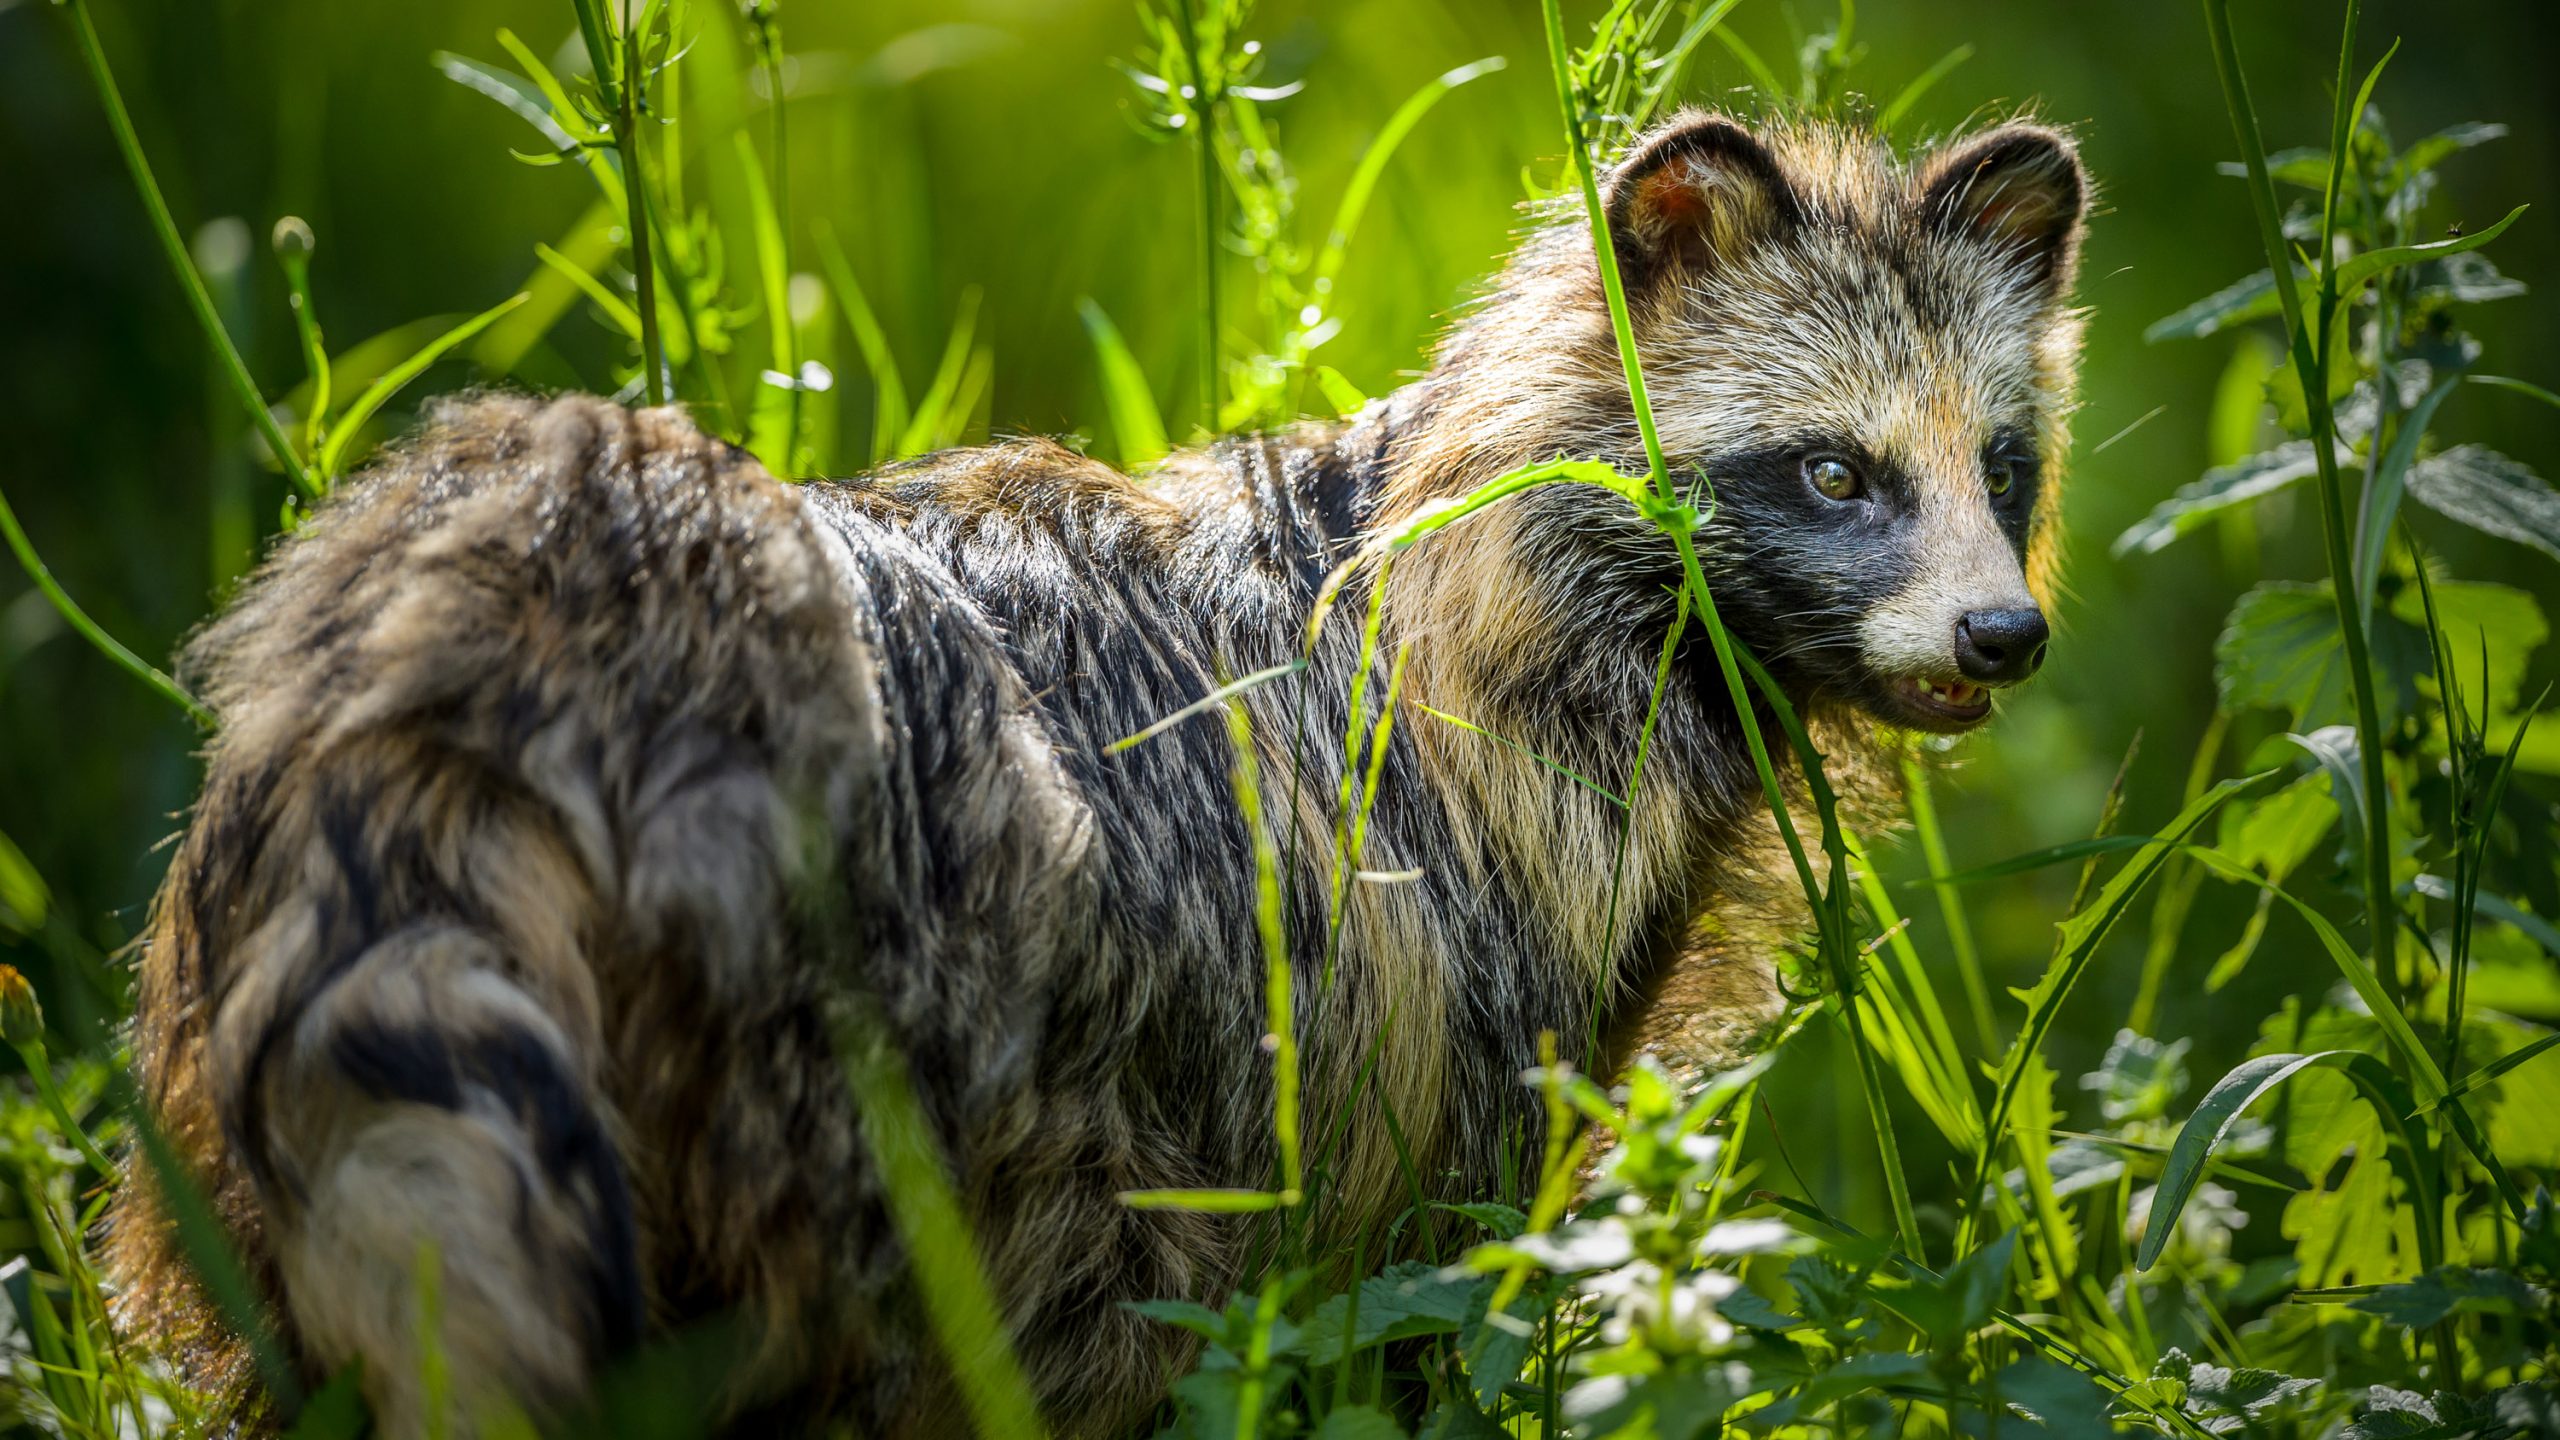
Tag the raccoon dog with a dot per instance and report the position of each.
(579, 786)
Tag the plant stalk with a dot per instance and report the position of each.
(1680, 527)
(226, 355)
(2311, 364)
(626, 140)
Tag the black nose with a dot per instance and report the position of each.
(1996, 647)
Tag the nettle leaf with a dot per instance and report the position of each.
(1359, 1422)
(2251, 298)
(2281, 649)
(1748, 1307)
(2502, 622)
(1198, 1319)
(1413, 1298)
(2224, 488)
(1505, 1222)
(2223, 1398)
(2468, 277)
(2274, 834)
(2428, 153)
(1856, 1375)
(2450, 1290)
(2056, 1398)
(2490, 493)
(1956, 1304)
(2402, 1414)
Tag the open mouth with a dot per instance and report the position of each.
(1942, 704)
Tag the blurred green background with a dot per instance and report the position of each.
(990, 143)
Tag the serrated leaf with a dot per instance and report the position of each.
(2469, 278)
(1504, 1221)
(2447, 1291)
(1197, 1318)
(1856, 1375)
(2428, 153)
(2223, 488)
(2280, 649)
(2252, 297)
(1413, 1298)
(2483, 622)
(1749, 1307)
(2490, 493)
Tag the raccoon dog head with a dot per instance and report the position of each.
(1871, 363)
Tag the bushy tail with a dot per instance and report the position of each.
(546, 706)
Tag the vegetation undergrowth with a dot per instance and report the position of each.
(1689, 1280)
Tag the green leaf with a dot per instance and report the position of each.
(2432, 151)
(333, 453)
(888, 389)
(2356, 272)
(2474, 1079)
(1413, 1298)
(2498, 624)
(336, 1411)
(1359, 1422)
(2222, 1106)
(2448, 1291)
(1190, 1315)
(2227, 1391)
(2281, 649)
(2468, 279)
(2251, 298)
(1927, 80)
(2336, 748)
(931, 419)
(2277, 832)
(2221, 489)
(2079, 941)
(1345, 397)
(2382, 497)
(1856, 1375)
(24, 899)
(1373, 163)
(2061, 1400)
(1135, 421)
(615, 308)
(1505, 1222)
(2490, 493)
(1963, 1300)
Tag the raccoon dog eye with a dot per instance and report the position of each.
(1833, 477)
(2000, 474)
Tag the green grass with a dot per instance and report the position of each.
(2346, 1228)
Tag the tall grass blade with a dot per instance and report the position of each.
(1135, 421)
(343, 434)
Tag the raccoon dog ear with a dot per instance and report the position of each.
(2020, 188)
(1697, 191)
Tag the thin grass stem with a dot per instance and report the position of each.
(225, 354)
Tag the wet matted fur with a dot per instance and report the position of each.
(576, 780)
